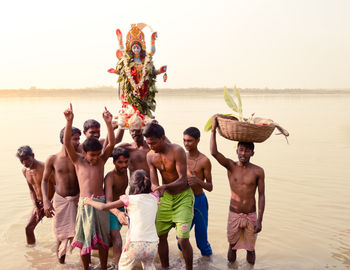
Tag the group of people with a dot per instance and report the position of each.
(89, 208)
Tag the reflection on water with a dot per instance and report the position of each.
(306, 221)
(342, 250)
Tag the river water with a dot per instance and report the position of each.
(306, 223)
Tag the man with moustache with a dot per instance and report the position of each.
(33, 173)
(176, 203)
(92, 129)
(64, 204)
(138, 149)
(116, 182)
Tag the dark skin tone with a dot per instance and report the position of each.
(116, 182)
(89, 168)
(67, 184)
(198, 167)
(170, 160)
(33, 172)
(95, 132)
(244, 178)
(138, 150)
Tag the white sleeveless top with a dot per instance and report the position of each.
(142, 211)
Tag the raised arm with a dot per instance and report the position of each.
(118, 135)
(68, 134)
(48, 208)
(261, 200)
(213, 147)
(152, 172)
(107, 116)
(153, 43)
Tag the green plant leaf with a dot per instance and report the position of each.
(229, 100)
(238, 96)
(208, 126)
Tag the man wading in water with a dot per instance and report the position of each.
(244, 177)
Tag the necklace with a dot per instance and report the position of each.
(195, 162)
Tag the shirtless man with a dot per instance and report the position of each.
(63, 209)
(92, 226)
(92, 129)
(33, 173)
(116, 182)
(138, 149)
(176, 208)
(245, 178)
(199, 178)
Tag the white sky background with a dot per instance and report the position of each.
(250, 43)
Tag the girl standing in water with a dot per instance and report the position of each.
(142, 205)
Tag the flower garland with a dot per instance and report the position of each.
(131, 90)
(135, 86)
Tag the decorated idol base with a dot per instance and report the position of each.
(130, 118)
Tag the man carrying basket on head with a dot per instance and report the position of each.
(244, 177)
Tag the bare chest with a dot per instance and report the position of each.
(34, 176)
(164, 163)
(119, 185)
(63, 166)
(89, 173)
(138, 156)
(194, 166)
(242, 179)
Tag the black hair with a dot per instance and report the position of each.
(193, 132)
(248, 145)
(91, 123)
(153, 130)
(92, 144)
(142, 52)
(139, 183)
(24, 151)
(120, 151)
(74, 131)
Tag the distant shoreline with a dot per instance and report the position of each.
(108, 91)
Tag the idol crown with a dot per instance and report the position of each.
(136, 35)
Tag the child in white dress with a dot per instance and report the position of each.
(142, 205)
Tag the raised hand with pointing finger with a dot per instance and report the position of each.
(69, 113)
(107, 116)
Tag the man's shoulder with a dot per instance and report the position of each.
(176, 147)
(110, 174)
(232, 163)
(52, 158)
(204, 158)
(257, 169)
(152, 153)
(40, 165)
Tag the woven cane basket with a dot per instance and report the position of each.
(232, 129)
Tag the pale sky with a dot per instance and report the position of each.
(250, 43)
